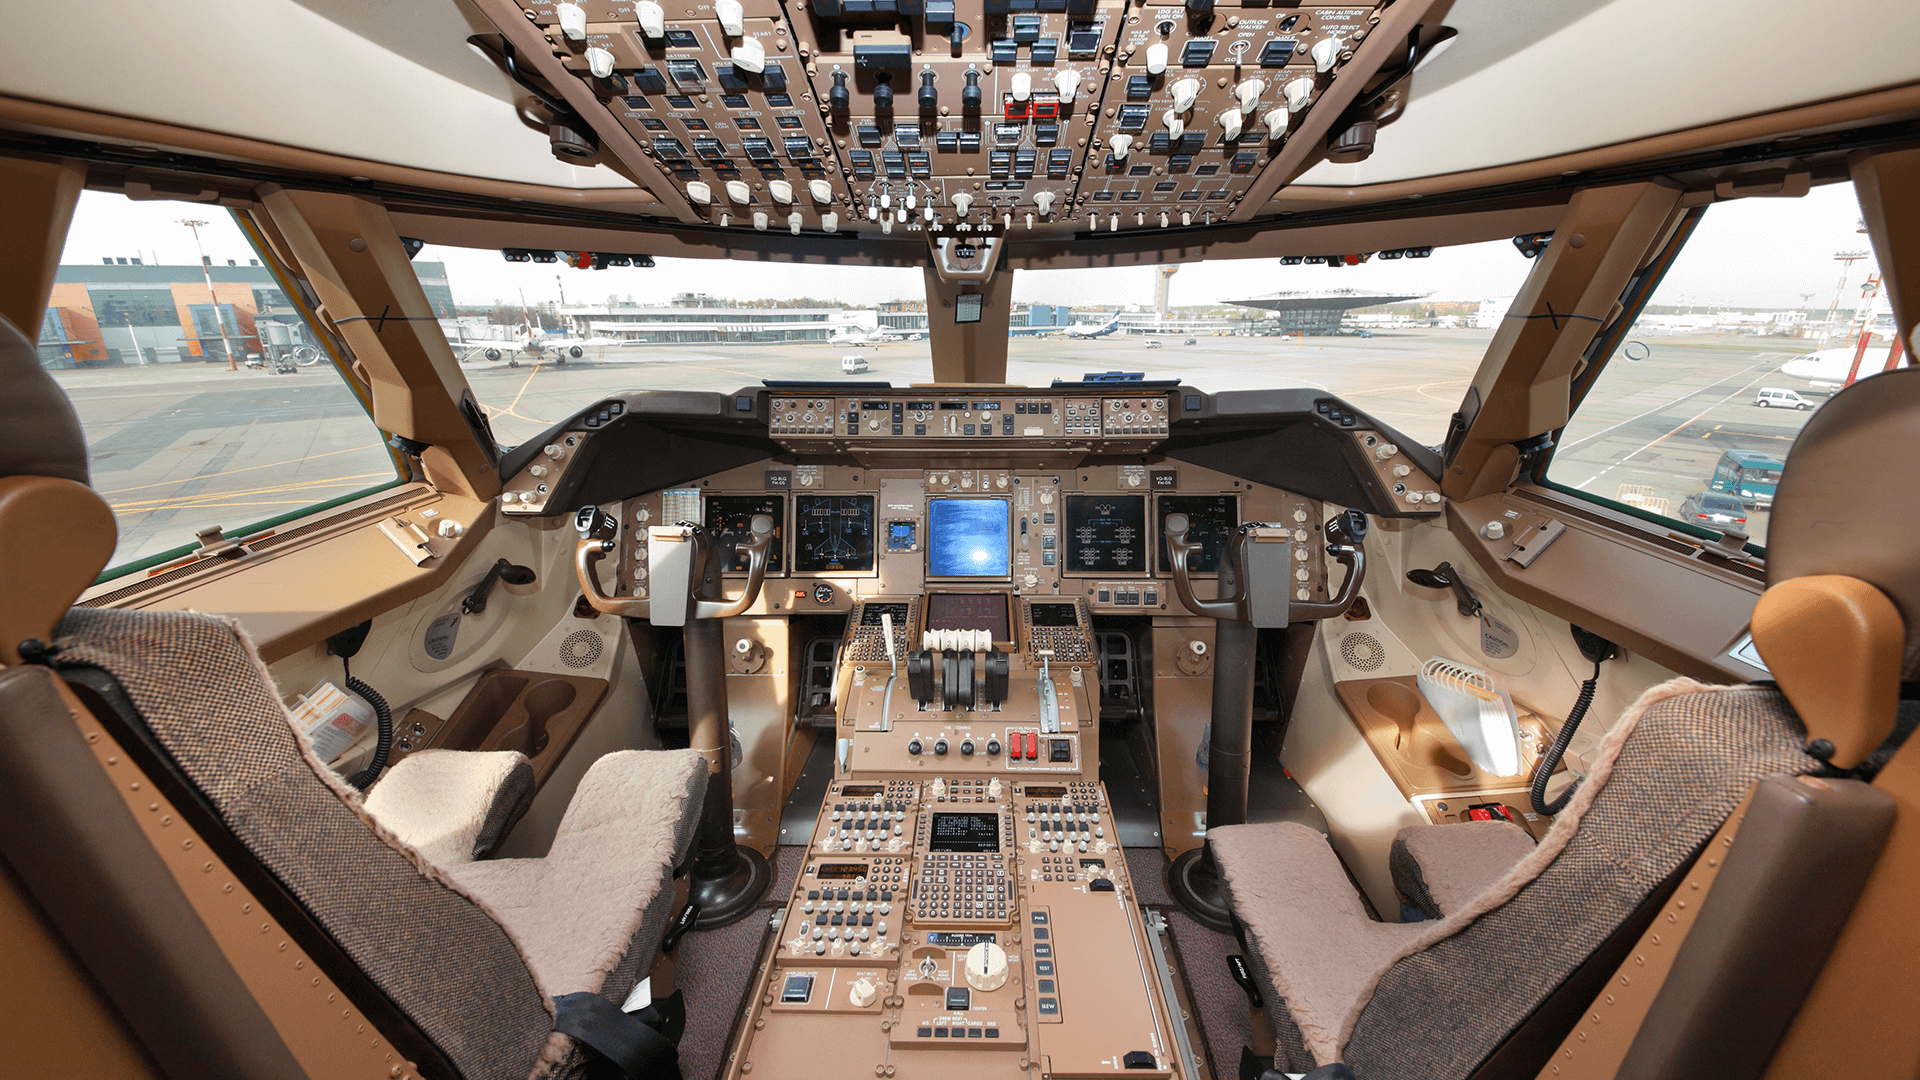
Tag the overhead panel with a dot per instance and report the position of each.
(887, 117)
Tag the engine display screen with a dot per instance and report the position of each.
(832, 532)
(734, 514)
(969, 611)
(965, 833)
(969, 538)
(1210, 520)
(1106, 534)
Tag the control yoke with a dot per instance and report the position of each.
(686, 563)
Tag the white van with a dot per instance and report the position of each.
(1772, 397)
(853, 364)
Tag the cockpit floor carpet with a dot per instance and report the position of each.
(716, 968)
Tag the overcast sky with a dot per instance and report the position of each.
(1752, 252)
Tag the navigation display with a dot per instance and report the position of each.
(1210, 519)
(969, 611)
(965, 833)
(1106, 534)
(969, 538)
(734, 514)
(832, 532)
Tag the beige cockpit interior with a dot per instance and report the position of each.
(847, 727)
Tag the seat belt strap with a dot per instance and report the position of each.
(640, 1052)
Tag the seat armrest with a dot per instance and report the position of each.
(1438, 869)
(453, 806)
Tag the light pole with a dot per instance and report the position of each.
(206, 269)
(135, 338)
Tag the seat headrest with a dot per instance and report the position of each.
(39, 433)
(56, 535)
(1848, 503)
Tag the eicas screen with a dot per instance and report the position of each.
(969, 538)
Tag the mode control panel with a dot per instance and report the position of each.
(815, 422)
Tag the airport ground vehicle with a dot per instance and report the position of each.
(963, 719)
(1748, 475)
(1771, 397)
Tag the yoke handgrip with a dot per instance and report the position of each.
(1179, 550)
(759, 546)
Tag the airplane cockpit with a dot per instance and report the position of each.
(1464, 626)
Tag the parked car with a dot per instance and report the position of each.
(1773, 397)
(1713, 510)
(1153, 344)
(853, 364)
(1191, 341)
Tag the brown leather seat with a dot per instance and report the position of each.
(457, 964)
(1494, 985)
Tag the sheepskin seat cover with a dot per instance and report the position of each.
(473, 959)
(1412, 1000)
(1439, 868)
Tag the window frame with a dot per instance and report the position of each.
(335, 350)
(1600, 351)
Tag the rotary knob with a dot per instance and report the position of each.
(986, 967)
(862, 993)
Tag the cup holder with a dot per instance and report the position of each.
(541, 703)
(1418, 743)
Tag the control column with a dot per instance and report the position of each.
(1252, 594)
(726, 879)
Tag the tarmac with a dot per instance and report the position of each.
(178, 447)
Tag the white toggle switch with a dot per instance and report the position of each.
(1184, 93)
(781, 190)
(1113, 223)
(699, 192)
(1156, 58)
(723, 221)
(830, 223)
(913, 201)
(1176, 127)
(961, 202)
(1230, 120)
(760, 220)
(750, 55)
(738, 191)
(1324, 52)
(886, 225)
(1121, 146)
(900, 214)
(733, 17)
(600, 62)
(1044, 201)
(821, 191)
(573, 21)
(1068, 83)
(1249, 92)
(1163, 220)
(1298, 91)
(1186, 217)
(793, 223)
(653, 19)
(1022, 86)
(1029, 219)
(873, 211)
(1276, 122)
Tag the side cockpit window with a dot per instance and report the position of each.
(1770, 306)
(207, 395)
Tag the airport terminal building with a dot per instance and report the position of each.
(1315, 313)
(125, 312)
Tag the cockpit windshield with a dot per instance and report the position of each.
(1398, 333)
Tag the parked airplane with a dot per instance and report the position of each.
(1830, 367)
(857, 336)
(1077, 330)
(536, 343)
